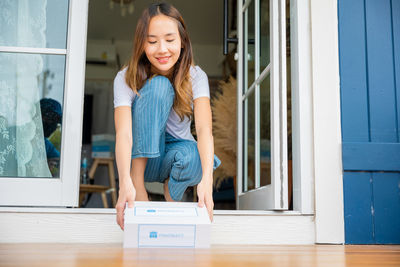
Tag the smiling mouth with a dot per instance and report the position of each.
(162, 59)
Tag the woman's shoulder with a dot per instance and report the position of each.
(200, 85)
(119, 80)
(121, 74)
(123, 94)
(197, 73)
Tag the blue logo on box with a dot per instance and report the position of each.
(151, 210)
(153, 234)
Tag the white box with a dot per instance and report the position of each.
(166, 224)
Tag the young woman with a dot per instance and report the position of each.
(155, 97)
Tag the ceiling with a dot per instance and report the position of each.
(204, 20)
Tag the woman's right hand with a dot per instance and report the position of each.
(127, 193)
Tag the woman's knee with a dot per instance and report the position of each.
(156, 94)
(159, 87)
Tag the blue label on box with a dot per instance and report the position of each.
(164, 211)
(166, 235)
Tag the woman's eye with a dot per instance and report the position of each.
(170, 41)
(152, 42)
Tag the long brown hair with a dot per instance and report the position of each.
(139, 67)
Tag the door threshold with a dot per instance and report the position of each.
(82, 225)
(113, 211)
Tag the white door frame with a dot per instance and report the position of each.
(317, 160)
(329, 218)
(63, 191)
(319, 126)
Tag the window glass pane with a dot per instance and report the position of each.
(249, 47)
(34, 23)
(265, 132)
(265, 103)
(264, 35)
(248, 104)
(251, 161)
(31, 101)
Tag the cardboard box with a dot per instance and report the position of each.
(166, 224)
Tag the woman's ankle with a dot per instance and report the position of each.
(141, 194)
(167, 196)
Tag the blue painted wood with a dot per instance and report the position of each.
(382, 108)
(396, 47)
(357, 208)
(386, 193)
(369, 58)
(371, 156)
(353, 71)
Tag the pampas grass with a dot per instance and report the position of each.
(224, 129)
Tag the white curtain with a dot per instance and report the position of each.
(22, 148)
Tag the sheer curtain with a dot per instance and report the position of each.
(22, 148)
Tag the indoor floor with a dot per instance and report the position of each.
(273, 255)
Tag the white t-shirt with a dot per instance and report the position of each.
(124, 96)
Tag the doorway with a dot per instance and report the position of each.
(109, 45)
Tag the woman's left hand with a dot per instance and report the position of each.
(204, 193)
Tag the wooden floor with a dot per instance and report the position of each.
(44, 255)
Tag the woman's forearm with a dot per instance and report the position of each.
(205, 145)
(123, 151)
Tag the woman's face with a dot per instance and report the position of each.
(163, 45)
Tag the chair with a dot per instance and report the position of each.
(103, 190)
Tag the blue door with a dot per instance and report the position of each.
(369, 55)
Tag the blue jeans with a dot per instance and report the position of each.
(177, 159)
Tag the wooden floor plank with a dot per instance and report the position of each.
(44, 255)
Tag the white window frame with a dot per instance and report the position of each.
(63, 191)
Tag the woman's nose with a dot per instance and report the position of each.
(162, 47)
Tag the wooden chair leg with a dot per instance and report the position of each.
(93, 168)
(112, 182)
(81, 198)
(104, 198)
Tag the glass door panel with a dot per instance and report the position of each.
(32, 86)
(265, 99)
(250, 178)
(31, 108)
(38, 24)
(262, 125)
(265, 135)
(42, 43)
(265, 58)
(249, 104)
